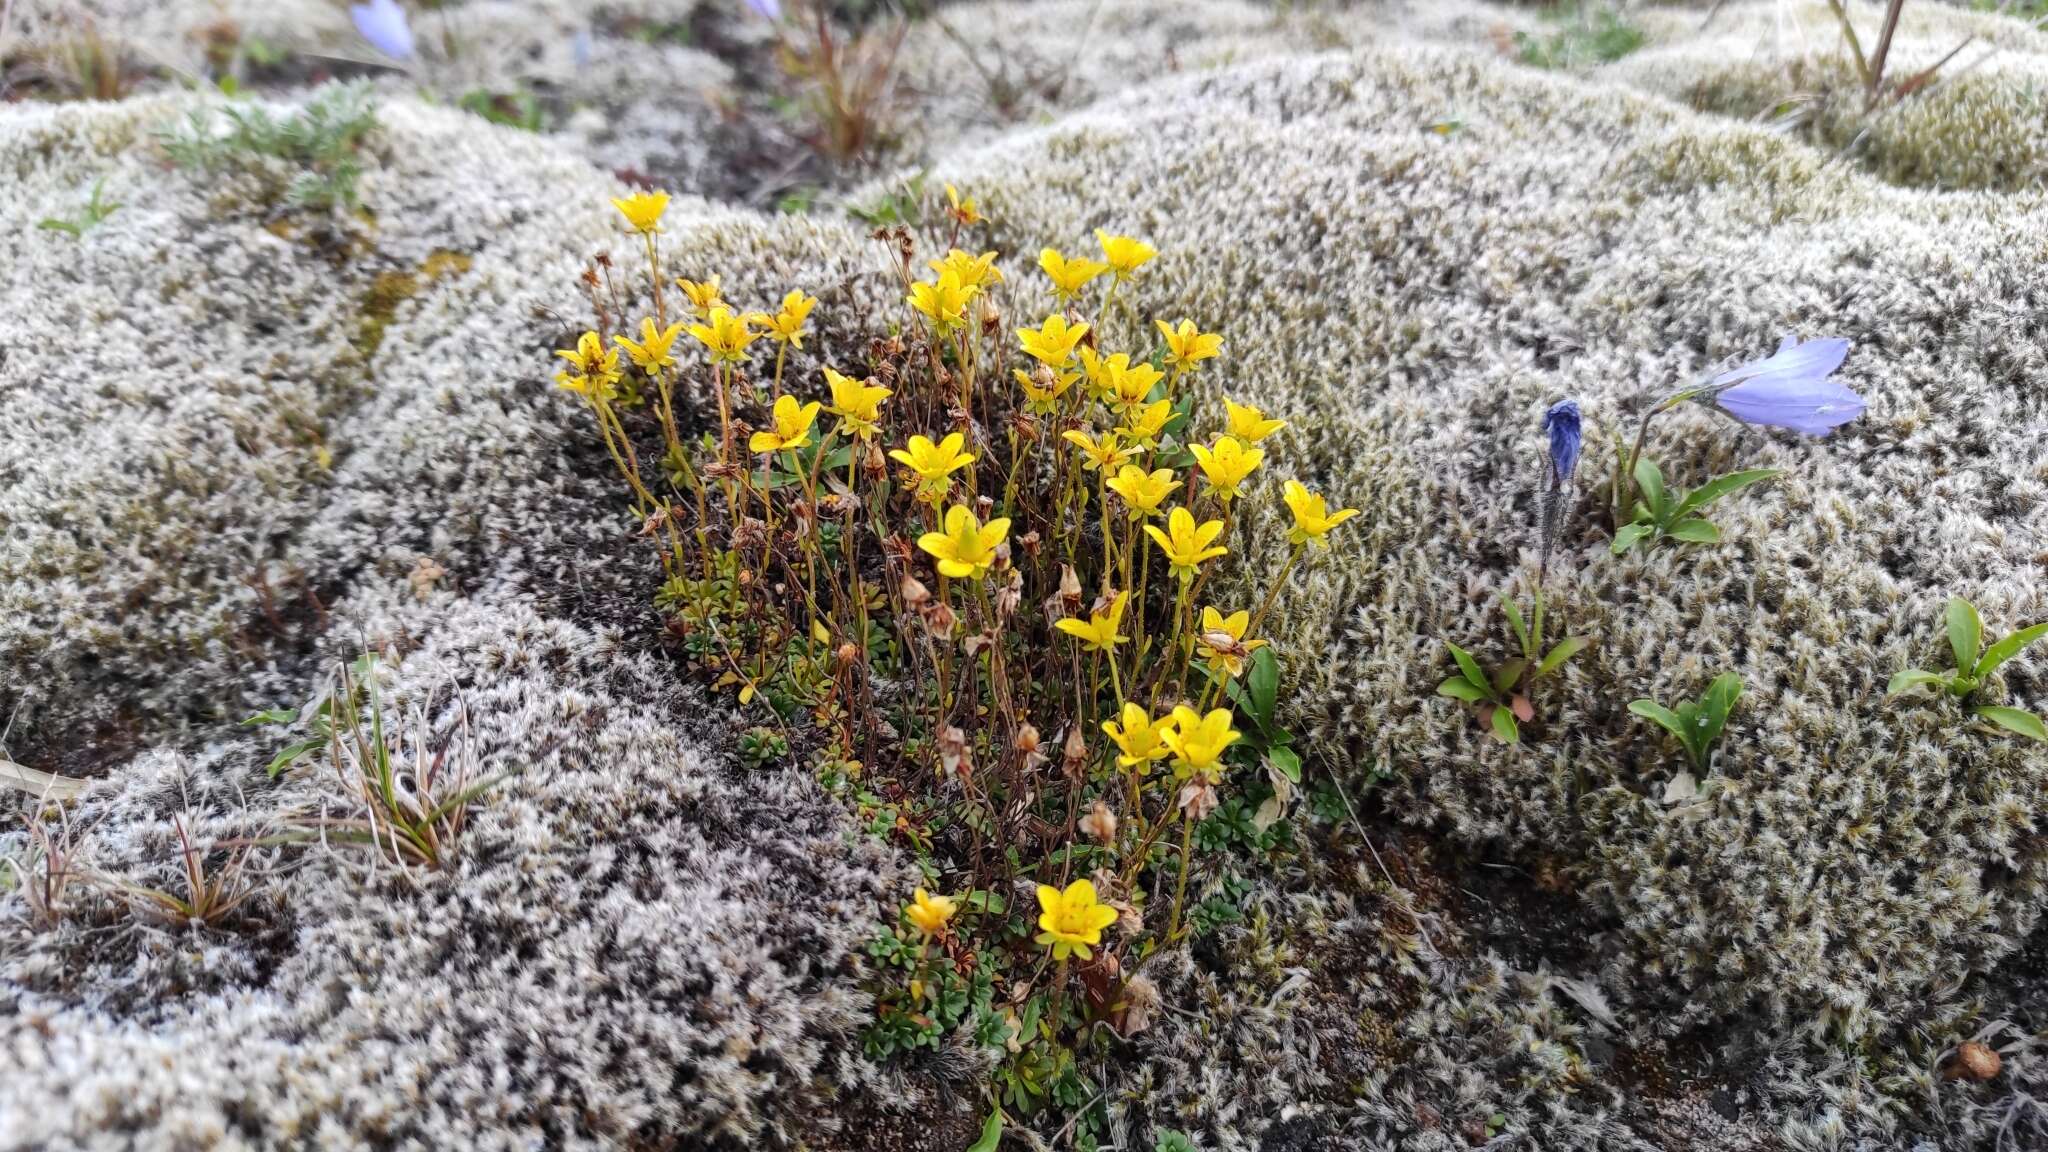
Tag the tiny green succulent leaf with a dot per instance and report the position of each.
(1913, 678)
(1651, 482)
(1566, 648)
(1459, 688)
(2007, 648)
(1630, 535)
(1965, 633)
(1694, 530)
(1471, 669)
(1719, 487)
(2015, 720)
(1504, 727)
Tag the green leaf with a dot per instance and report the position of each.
(1507, 674)
(1289, 764)
(1912, 678)
(1459, 688)
(1505, 729)
(1630, 535)
(1651, 481)
(991, 1133)
(1566, 648)
(291, 752)
(1694, 530)
(1965, 632)
(1262, 681)
(1715, 707)
(1471, 669)
(1658, 714)
(67, 227)
(1721, 486)
(2008, 648)
(272, 716)
(1521, 629)
(2016, 720)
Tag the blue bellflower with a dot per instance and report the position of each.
(1791, 389)
(771, 9)
(1561, 422)
(383, 23)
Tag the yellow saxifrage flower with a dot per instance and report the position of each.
(1187, 545)
(1101, 370)
(963, 207)
(1052, 343)
(1099, 632)
(787, 325)
(792, 426)
(651, 353)
(702, 294)
(934, 464)
(1198, 742)
(973, 272)
(1069, 276)
(1123, 253)
(1139, 738)
(1102, 453)
(1226, 465)
(1042, 395)
(967, 547)
(1147, 423)
(928, 914)
(1072, 921)
(1249, 424)
(857, 403)
(1221, 643)
(1187, 347)
(943, 302)
(1142, 491)
(725, 335)
(1125, 386)
(1312, 520)
(643, 210)
(597, 368)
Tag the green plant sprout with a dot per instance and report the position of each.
(1503, 697)
(1670, 513)
(89, 217)
(1697, 724)
(322, 141)
(1974, 664)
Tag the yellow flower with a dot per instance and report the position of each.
(857, 403)
(1052, 343)
(1249, 424)
(702, 294)
(1069, 276)
(1072, 921)
(1123, 253)
(1100, 453)
(724, 334)
(1311, 519)
(651, 353)
(1043, 396)
(1198, 742)
(1099, 632)
(1222, 644)
(943, 302)
(597, 368)
(1142, 491)
(974, 272)
(643, 210)
(967, 547)
(1148, 422)
(1139, 739)
(963, 208)
(1125, 388)
(928, 913)
(787, 325)
(792, 426)
(1226, 464)
(1186, 346)
(1101, 370)
(934, 464)
(1187, 544)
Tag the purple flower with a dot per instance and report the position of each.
(1562, 423)
(1791, 389)
(770, 9)
(383, 24)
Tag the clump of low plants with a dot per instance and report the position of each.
(1585, 34)
(845, 84)
(1696, 724)
(1975, 662)
(314, 152)
(97, 209)
(973, 568)
(1502, 696)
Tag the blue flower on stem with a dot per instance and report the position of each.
(1561, 422)
(1791, 388)
(383, 23)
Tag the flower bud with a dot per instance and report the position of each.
(1074, 756)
